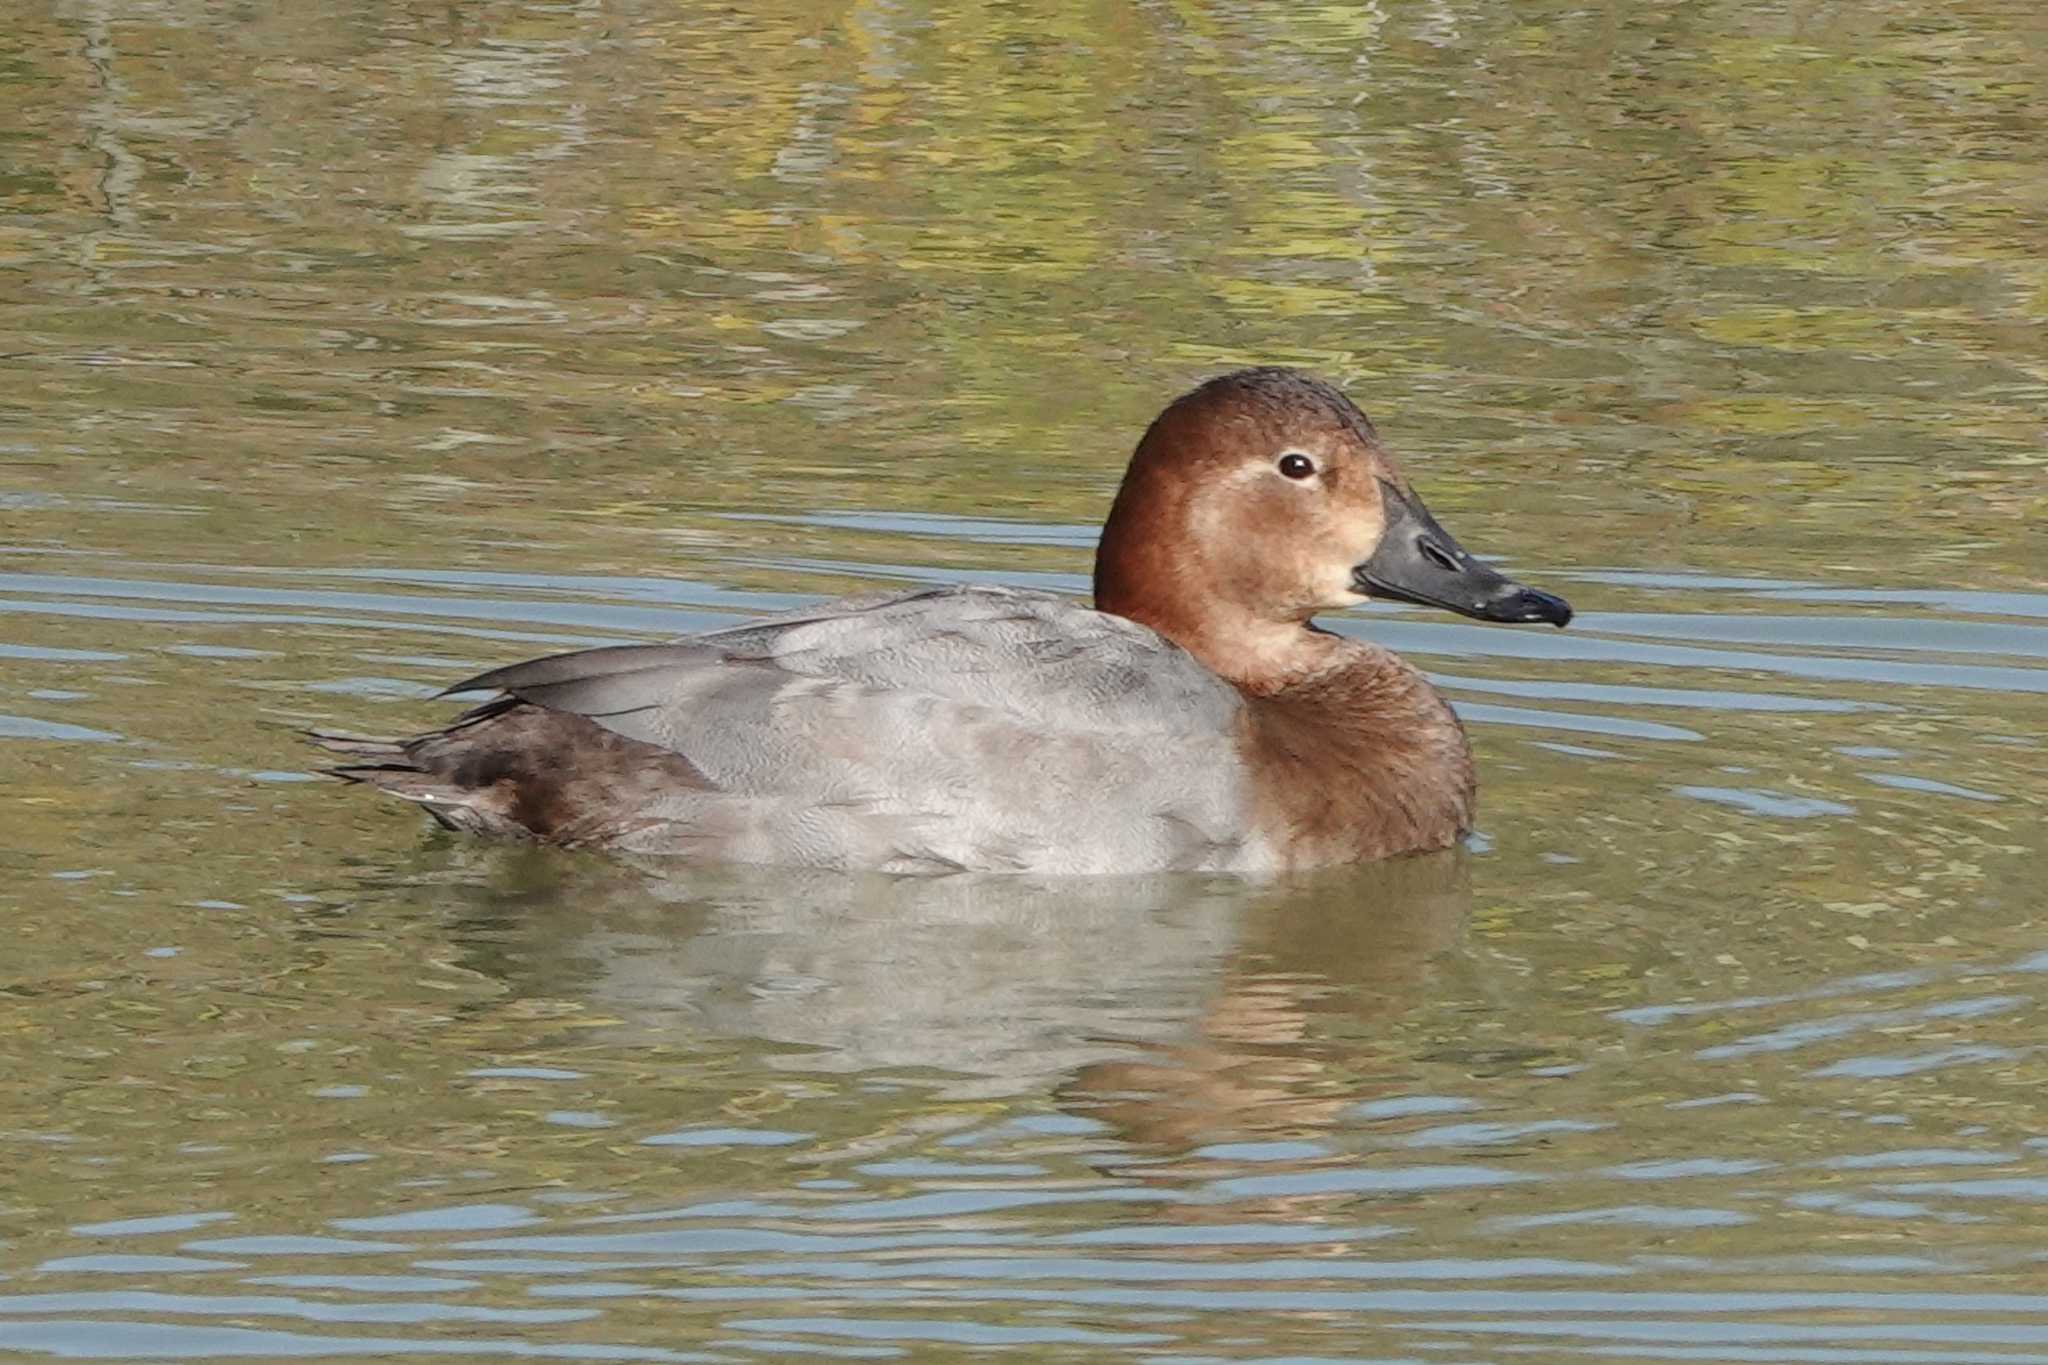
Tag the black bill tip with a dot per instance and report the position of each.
(1531, 605)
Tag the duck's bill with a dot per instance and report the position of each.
(1419, 561)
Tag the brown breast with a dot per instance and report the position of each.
(1362, 761)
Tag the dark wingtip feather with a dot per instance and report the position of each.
(480, 683)
(363, 746)
(579, 666)
(365, 773)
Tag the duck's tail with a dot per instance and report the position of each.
(516, 771)
(392, 765)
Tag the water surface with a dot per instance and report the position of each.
(346, 354)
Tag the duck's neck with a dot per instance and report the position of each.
(1259, 657)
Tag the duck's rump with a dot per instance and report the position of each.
(962, 729)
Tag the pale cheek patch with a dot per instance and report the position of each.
(1358, 528)
(1344, 593)
(1218, 516)
(1366, 533)
(1214, 507)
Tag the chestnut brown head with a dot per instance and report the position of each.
(1265, 496)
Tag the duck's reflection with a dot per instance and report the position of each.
(1177, 1009)
(1287, 1037)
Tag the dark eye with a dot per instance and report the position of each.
(1296, 465)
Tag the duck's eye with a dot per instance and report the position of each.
(1296, 465)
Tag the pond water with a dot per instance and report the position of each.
(349, 350)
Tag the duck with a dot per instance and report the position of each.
(1195, 718)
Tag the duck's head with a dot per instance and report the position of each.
(1265, 496)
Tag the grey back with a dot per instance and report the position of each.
(981, 728)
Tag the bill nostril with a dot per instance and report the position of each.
(1439, 556)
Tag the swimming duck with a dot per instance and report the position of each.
(1194, 718)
